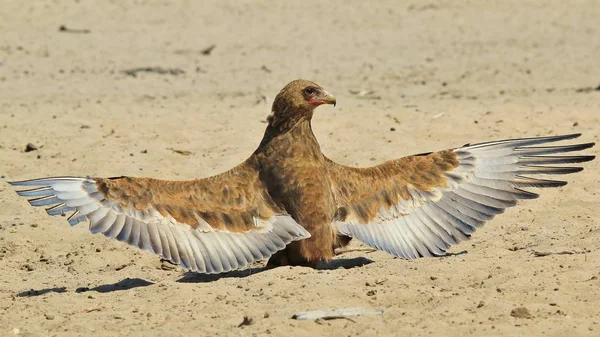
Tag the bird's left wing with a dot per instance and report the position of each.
(209, 225)
(420, 205)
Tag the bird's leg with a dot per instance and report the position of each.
(341, 241)
(291, 256)
(279, 259)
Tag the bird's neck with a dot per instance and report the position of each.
(297, 136)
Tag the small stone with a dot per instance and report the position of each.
(521, 312)
(433, 278)
(481, 304)
(30, 147)
(371, 292)
(49, 316)
(246, 321)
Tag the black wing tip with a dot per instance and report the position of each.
(585, 146)
(554, 138)
(586, 158)
(556, 183)
(29, 182)
(44, 181)
(575, 169)
(528, 140)
(527, 195)
(571, 135)
(17, 183)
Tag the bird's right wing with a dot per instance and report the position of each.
(420, 205)
(209, 225)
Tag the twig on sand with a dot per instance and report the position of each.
(156, 70)
(64, 29)
(560, 252)
(181, 152)
(336, 314)
(206, 51)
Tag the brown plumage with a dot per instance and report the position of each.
(290, 203)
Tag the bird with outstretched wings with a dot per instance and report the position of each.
(290, 203)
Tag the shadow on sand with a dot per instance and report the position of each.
(126, 284)
(190, 277)
(33, 292)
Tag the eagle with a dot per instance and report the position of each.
(291, 204)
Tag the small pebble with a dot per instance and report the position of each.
(30, 147)
(521, 312)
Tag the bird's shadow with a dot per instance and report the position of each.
(126, 284)
(191, 277)
(462, 252)
(345, 263)
(38, 292)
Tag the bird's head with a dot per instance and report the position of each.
(297, 100)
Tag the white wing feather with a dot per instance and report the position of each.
(201, 249)
(489, 178)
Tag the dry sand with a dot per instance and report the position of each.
(443, 73)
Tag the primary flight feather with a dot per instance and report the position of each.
(290, 203)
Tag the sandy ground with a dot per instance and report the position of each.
(443, 73)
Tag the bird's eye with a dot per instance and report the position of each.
(309, 91)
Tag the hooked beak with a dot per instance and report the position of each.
(328, 98)
(324, 98)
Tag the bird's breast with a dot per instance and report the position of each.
(302, 187)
